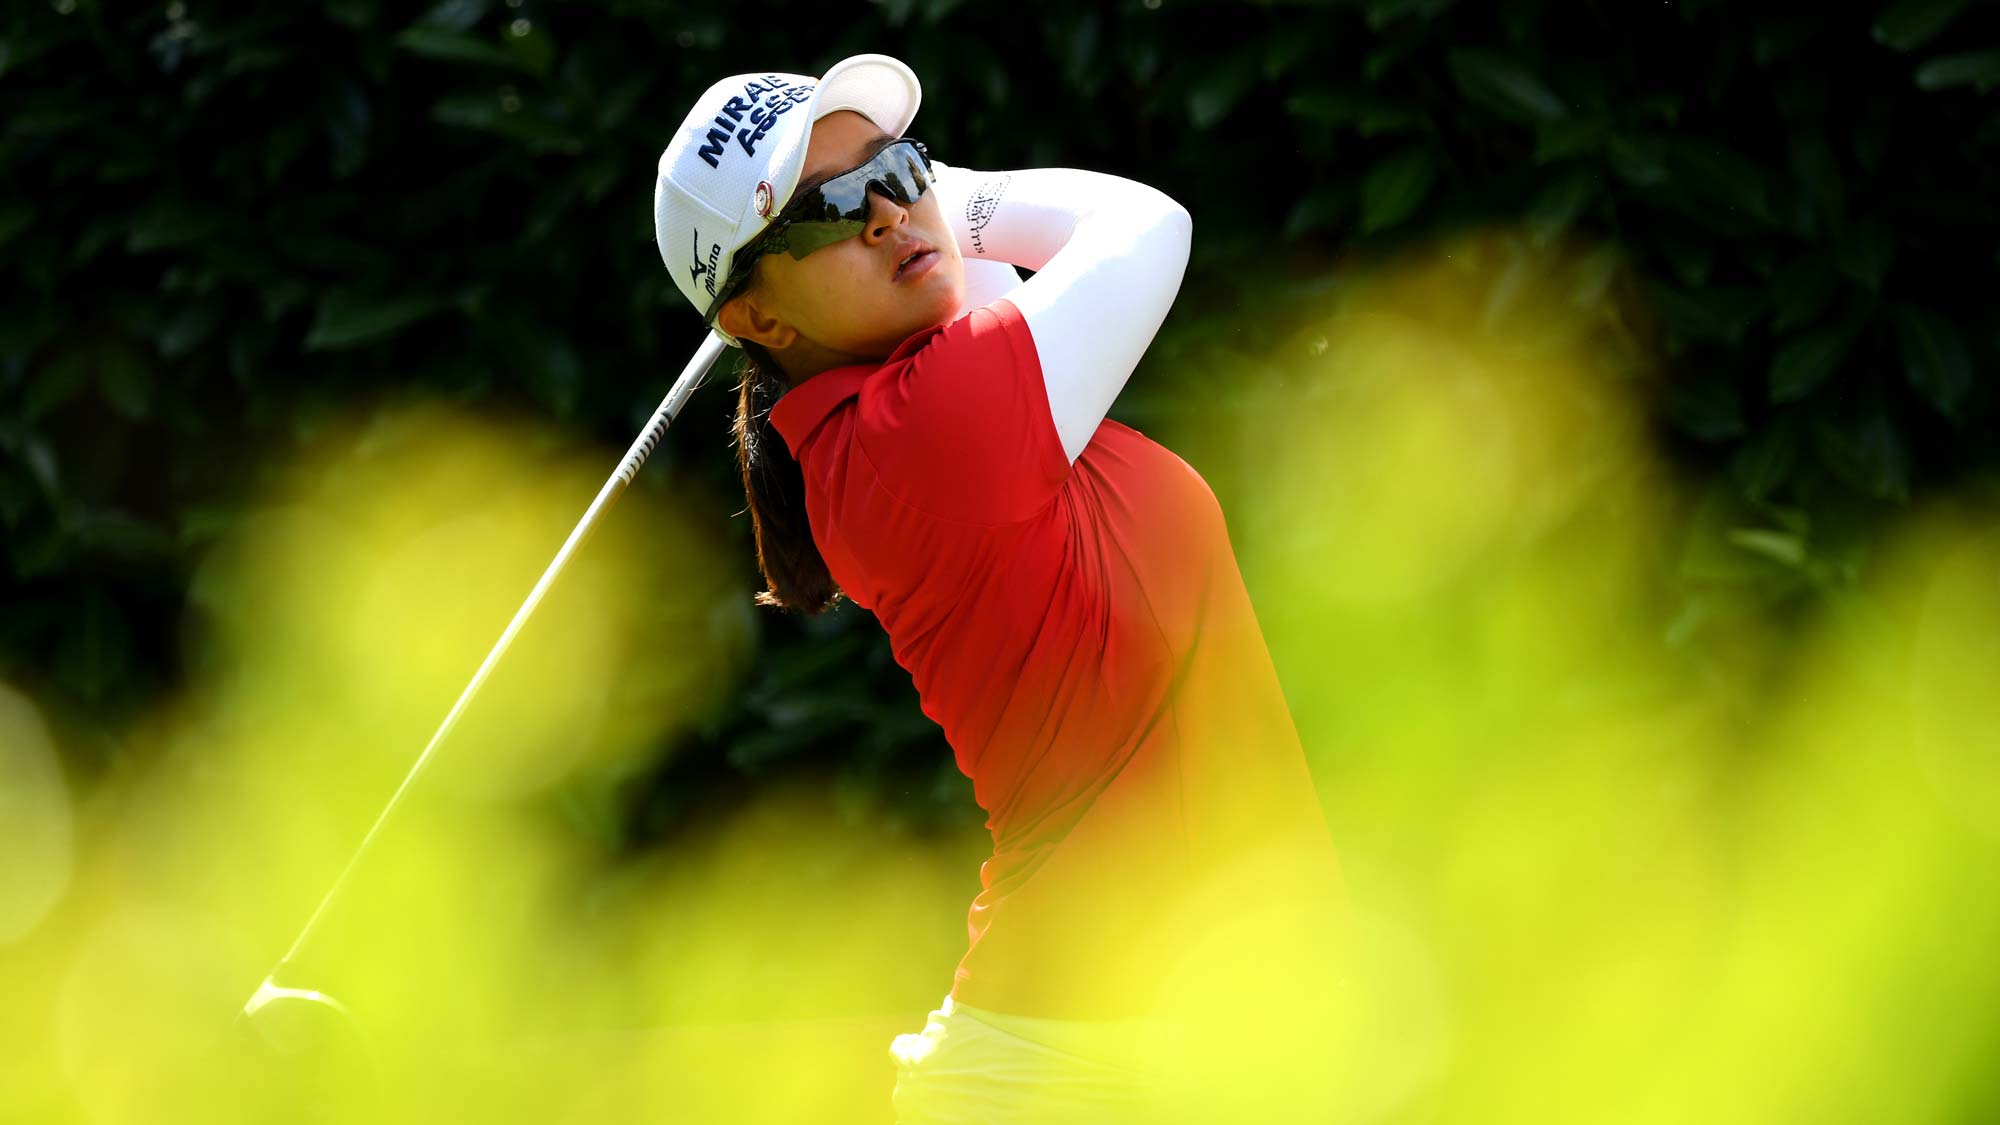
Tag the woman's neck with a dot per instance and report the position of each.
(806, 359)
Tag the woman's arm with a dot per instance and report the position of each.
(987, 281)
(1109, 254)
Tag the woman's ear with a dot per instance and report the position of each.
(745, 317)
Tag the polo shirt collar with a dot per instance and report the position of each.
(799, 411)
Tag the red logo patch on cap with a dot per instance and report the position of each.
(764, 198)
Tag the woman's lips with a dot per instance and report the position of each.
(917, 267)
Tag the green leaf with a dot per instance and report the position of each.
(188, 329)
(454, 15)
(1978, 69)
(1074, 39)
(1366, 113)
(104, 533)
(1711, 314)
(1505, 86)
(55, 382)
(1936, 360)
(353, 14)
(1706, 408)
(1592, 275)
(1660, 105)
(1814, 166)
(1805, 363)
(1799, 294)
(252, 58)
(279, 295)
(24, 327)
(347, 319)
(17, 498)
(597, 178)
(348, 120)
(1864, 252)
(1382, 13)
(42, 553)
(1383, 118)
(1765, 462)
(1561, 202)
(168, 225)
(1636, 160)
(1387, 54)
(542, 359)
(1780, 40)
(18, 50)
(496, 113)
(1395, 187)
(1724, 179)
(16, 215)
(32, 453)
(615, 106)
(1692, 261)
(1321, 208)
(1284, 51)
(96, 646)
(1867, 453)
(247, 350)
(97, 234)
(125, 380)
(531, 47)
(1568, 139)
(454, 46)
(333, 254)
(1779, 546)
(1217, 92)
(1910, 24)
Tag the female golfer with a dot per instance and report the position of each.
(923, 432)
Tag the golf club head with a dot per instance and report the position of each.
(292, 1020)
(317, 1062)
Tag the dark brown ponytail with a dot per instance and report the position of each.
(795, 576)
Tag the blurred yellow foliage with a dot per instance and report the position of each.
(1591, 880)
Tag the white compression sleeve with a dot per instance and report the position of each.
(987, 282)
(1109, 254)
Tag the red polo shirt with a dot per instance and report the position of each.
(1082, 634)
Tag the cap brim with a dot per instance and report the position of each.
(877, 87)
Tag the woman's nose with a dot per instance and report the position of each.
(884, 215)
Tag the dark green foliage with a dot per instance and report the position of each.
(219, 219)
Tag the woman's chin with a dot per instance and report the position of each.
(949, 297)
(933, 308)
(919, 311)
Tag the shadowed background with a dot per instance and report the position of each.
(1601, 398)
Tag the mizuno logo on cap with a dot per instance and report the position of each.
(706, 270)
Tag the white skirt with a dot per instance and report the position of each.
(973, 1067)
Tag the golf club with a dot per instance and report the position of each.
(271, 995)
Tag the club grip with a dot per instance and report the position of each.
(690, 378)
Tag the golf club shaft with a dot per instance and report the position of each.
(642, 447)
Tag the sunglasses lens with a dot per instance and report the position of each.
(834, 211)
(804, 238)
(897, 170)
(838, 208)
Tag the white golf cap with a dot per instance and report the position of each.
(741, 151)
